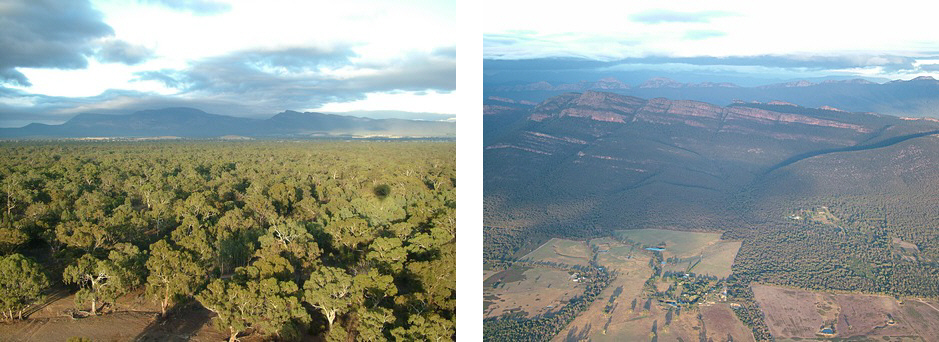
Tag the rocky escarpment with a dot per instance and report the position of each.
(610, 107)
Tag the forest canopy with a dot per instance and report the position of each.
(344, 240)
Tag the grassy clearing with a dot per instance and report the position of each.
(717, 259)
(568, 252)
(699, 253)
(677, 243)
(533, 290)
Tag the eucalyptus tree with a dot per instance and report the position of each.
(426, 327)
(21, 284)
(172, 272)
(100, 281)
(331, 291)
(270, 306)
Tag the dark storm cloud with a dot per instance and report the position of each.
(200, 7)
(703, 34)
(119, 51)
(666, 16)
(47, 34)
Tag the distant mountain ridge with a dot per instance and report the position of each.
(191, 122)
(915, 97)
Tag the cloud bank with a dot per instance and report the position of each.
(52, 47)
(199, 7)
(658, 16)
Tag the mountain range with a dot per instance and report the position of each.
(916, 97)
(190, 122)
(578, 162)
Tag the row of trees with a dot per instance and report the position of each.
(345, 240)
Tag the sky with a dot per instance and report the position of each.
(241, 58)
(763, 39)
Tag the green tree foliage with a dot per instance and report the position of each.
(225, 222)
(173, 273)
(388, 252)
(11, 238)
(372, 323)
(267, 305)
(425, 328)
(100, 281)
(331, 291)
(21, 284)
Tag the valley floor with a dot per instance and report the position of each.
(668, 286)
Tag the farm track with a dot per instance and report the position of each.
(927, 304)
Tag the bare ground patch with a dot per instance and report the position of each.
(721, 322)
(793, 313)
(534, 291)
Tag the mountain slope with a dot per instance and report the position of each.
(611, 161)
(189, 122)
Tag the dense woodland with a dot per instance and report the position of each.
(346, 240)
(855, 253)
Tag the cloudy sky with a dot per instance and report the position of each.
(243, 58)
(775, 39)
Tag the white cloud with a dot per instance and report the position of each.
(754, 28)
(424, 102)
(94, 80)
(379, 33)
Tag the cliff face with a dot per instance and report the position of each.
(610, 107)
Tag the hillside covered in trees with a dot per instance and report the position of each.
(340, 240)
